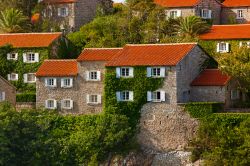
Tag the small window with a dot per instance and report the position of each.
(51, 104)
(175, 13)
(67, 104)
(12, 56)
(223, 47)
(124, 72)
(235, 94)
(156, 96)
(50, 82)
(156, 72)
(245, 44)
(63, 11)
(206, 14)
(239, 14)
(29, 78)
(2, 96)
(13, 77)
(94, 99)
(125, 96)
(66, 82)
(93, 75)
(31, 57)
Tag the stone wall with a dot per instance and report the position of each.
(10, 91)
(231, 13)
(25, 105)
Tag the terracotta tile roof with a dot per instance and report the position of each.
(58, 68)
(98, 54)
(176, 3)
(151, 54)
(211, 77)
(221, 32)
(26, 40)
(59, 1)
(236, 3)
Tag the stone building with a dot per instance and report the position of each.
(7, 91)
(206, 9)
(235, 11)
(84, 79)
(214, 86)
(70, 14)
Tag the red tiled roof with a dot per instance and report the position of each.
(176, 3)
(236, 3)
(220, 32)
(58, 68)
(59, 1)
(26, 40)
(211, 77)
(151, 54)
(98, 54)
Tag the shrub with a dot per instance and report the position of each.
(26, 97)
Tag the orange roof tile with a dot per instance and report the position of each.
(59, 1)
(176, 3)
(98, 54)
(236, 3)
(58, 68)
(151, 54)
(211, 77)
(221, 32)
(26, 40)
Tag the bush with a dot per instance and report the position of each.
(26, 97)
(203, 109)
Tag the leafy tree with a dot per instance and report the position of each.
(12, 21)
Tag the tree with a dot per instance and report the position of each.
(12, 21)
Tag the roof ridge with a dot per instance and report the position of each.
(59, 60)
(3, 34)
(231, 25)
(113, 48)
(7, 82)
(162, 44)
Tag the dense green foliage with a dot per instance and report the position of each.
(47, 138)
(26, 97)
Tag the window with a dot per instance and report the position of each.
(239, 14)
(125, 96)
(67, 104)
(30, 57)
(175, 13)
(2, 96)
(156, 71)
(93, 99)
(64, 11)
(245, 44)
(156, 96)
(235, 94)
(124, 72)
(50, 82)
(66, 82)
(13, 77)
(12, 56)
(206, 14)
(93, 75)
(51, 104)
(29, 78)
(223, 47)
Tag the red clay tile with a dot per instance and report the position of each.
(176, 3)
(236, 3)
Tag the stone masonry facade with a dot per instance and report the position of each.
(8, 91)
(229, 15)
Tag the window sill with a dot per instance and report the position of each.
(66, 87)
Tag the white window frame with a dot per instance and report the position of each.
(226, 46)
(68, 80)
(129, 96)
(206, 13)
(239, 14)
(47, 82)
(9, 56)
(89, 75)
(10, 78)
(150, 72)
(235, 94)
(25, 78)
(2, 96)
(174, 13)
(245, 43)
(119, 72)
(151, 96)
(54, 104)
(98, 99)
(26, 58)
(62, 13)
(64, 106)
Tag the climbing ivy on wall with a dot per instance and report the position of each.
(139, 84)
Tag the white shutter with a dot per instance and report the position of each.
(8, 77)
(71, 104)
(25, 78)
(24, 57)
(118, 96)
(46, 81)
(36, 57)
(163, 96)
(87, 75)
(8, 56)
(149, 71)
(71, 82)
(16, 56)
(227, 47)
(55, 104)
(241, 44)
(118, 72)
(248, 44)
(178, 13)
(99, 99)
(98, 75)
(46, 103)
(131, 72)
(218, 47)
(62, 82)
(59, 11)
(87, 98)
(209, 13)
(149, 96)
(163, 72)
(2, 96)
(16, 76)
(131, 96)
(67, 11)
(55, 82)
